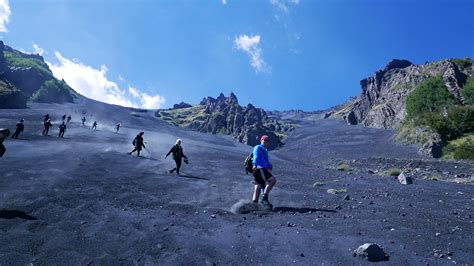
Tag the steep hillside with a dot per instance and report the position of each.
(430, 104)
(382, 101)
(225, 116)
(29, 75)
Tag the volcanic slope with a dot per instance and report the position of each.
(82, 199)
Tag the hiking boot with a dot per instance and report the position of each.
(171, 171)
(265, 200)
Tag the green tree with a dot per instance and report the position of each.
(430, 96)
(468, 91)
(53, 91)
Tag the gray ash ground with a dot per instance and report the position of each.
(82, 199)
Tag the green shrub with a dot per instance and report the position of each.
(461, 148)
(458, 121)
(468, 91)
(394, 171)
(463, 63)
(430, 96)
(343, 167)
(53, 91)
(461, 119)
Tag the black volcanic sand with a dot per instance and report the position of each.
(82, 199)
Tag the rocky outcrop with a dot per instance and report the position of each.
(245, 124)
(224, 115)
(382, 101)
(181, 105)
(372, 252)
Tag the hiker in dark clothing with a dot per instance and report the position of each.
(69, 119)
(178, 154)
(83, 120)
(3, 135)
(19, 128)
(138, 143)
(62, 129)
(117, 127)
(94, 126)
(64, 117)
(47, 125)
(46, 118)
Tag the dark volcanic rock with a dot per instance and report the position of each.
(371, 252)
(224, 115)
(181, 105)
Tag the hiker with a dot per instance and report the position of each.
(262, 168)
(83, 120)
(94, 126)
(138, 143)
(4, 132)
(64, 117)
(69, 119)
(19, 128)
(47, 125)
(46, 118)
(62, 129)
(178, 154)
(117, 127)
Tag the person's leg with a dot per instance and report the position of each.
(259, 183)
(256, 193)
(178, 165)
(132, 151)
(270, 183)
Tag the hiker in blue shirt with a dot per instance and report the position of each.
(262, 168)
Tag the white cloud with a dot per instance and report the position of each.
(93, 83)
(38, 50)
(283, 5)
(250, 45)
(224, 2)
(4, 15)
(147, 101)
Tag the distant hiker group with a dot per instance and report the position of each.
(48, 124)
(257, 162)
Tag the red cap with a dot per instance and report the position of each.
(264, 137)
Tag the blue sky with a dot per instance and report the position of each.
(275, 54)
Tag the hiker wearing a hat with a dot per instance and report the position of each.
(262, 168)
(19, 128)
(178, 155)
(138, 143)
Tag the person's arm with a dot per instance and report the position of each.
(172, 148)
(255, 156)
